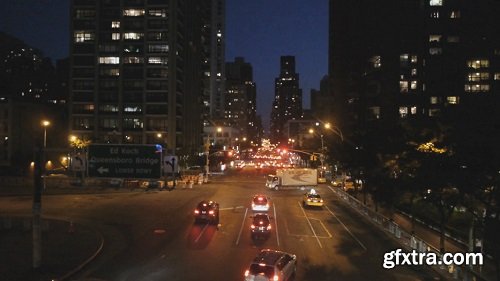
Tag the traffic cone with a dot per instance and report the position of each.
(71, 228)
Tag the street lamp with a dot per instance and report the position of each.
(322, 155)
(45, 124)
(207, 152)
(337, 130)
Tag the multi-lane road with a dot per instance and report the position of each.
(151, 235)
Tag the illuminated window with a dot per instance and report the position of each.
(158, 60)
(158, 48)
(115, 36)
(435, 51)
(413, 110)
(133, 12)
(108, 108)
(435, 38)
(478, 76)
(403, 58)
(376, 61)
(132, 123)
(133, 36)
(133, 60)
(109, 60)
(83, 36)
(157, 13)
(132, 109)
(455, 14)
(434, 100)
(452, 100)
(478, 64)
(414, 72)
(435, 14)
(112, 72)
(435, 2)
(403, 86)
(497, 76)
(115, 24)
(477, 88)
(414, 59)
(414, 85)
(403, 111)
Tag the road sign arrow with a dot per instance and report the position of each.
(102, 170)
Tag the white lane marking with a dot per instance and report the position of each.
(242, 224)
(231, 208)
(352, 235)
(201, 233)
(276, 225)
(310, 225)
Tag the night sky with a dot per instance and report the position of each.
(259, 30)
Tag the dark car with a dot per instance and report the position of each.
(261, 226)
(207, 211)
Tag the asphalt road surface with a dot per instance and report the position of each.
(151, 235)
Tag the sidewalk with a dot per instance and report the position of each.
(65, 248)
(399, 225)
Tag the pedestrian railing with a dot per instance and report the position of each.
(409, 241)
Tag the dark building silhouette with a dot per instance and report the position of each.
(27, 87)
(241, 98)
(287, 104)
(396, 60)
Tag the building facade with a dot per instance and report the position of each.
(137, 71)
(241, 100)
(413, 59)
(287, 104)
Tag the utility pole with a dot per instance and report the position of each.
(207, 152)
(37, 208)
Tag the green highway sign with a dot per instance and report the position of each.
(124, 161)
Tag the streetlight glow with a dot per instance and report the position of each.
(45, 124)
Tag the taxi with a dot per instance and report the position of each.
(312, 198)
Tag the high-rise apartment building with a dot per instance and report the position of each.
(217, 59)
(241, 98)
(137, 71)
(394, 59)
(287, 103)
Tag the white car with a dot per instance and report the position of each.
(272, 265)
(260, 203)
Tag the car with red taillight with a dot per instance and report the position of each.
(261, 203)
(261, 226)
(207, 211)
(272, 265)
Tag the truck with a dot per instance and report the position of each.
(293, 178)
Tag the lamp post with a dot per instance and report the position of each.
(45, 124)
(207, 153)
(322, 154)
(336, 130)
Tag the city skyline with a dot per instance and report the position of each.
(259, 31)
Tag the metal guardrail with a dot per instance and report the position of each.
(408, 241)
